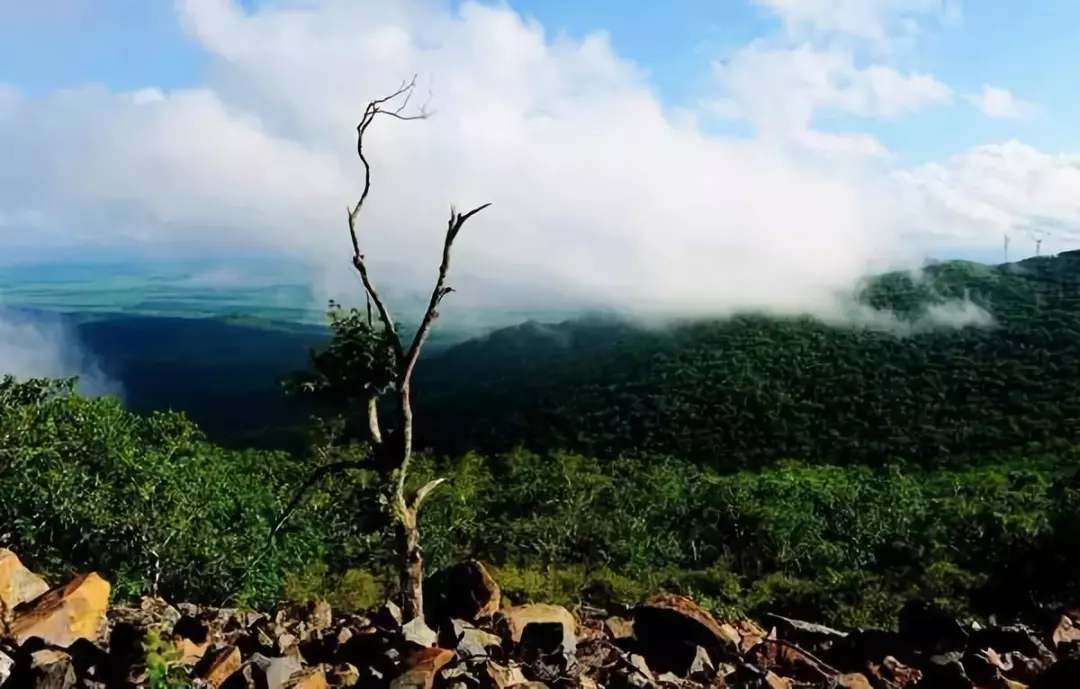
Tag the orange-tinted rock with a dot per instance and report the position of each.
(1066, 632)
(310, 678)
(666, 623)
(221, 665)
(775, 681)
(17, 583)
(64, 615)
(517, 618)
(855, 680)
(421, 668)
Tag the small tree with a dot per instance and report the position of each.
(368, 359)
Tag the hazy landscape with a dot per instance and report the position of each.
(514, 345)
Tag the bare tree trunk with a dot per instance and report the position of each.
(406, 511)
(412, 572)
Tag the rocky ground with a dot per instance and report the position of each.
(70, 637)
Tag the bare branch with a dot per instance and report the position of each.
(373, 420)
(453, 227)
(422, 494)
(379, 106)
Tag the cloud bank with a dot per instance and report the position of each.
(40, 346)
(602, 195)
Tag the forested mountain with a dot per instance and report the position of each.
(603, 498)
(740, 392)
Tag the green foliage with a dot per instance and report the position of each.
(86, 485)
(353, 590)
(742, 392)
(161, 658)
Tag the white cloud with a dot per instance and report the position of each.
(601, 196)
(875, 21)
(781, 90)
(1000, 103)
(39, 346)
(1003, 188)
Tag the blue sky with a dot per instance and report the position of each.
(1029, 49)
(777, 151)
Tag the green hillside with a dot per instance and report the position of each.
(742, 392)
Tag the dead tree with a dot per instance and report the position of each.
(398, 447)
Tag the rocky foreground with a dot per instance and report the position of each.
(70, 637)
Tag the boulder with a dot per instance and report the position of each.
(421, 667)
(18, 584)
(62, 616)
(670, 628)
(465, 592)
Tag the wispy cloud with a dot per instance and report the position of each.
(1000, 103)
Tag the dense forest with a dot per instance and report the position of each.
(759, 463)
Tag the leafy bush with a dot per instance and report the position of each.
(147, 501)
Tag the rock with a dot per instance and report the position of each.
(61, 616)
(52, 669)
(421, 668)
(670, 628)
(855, 680)
(310, 678)
(751, 634)
(417, 632)
(930, 629)
(792, 661)
(1065, 632)
(471, 642)
(388, 616)
(465, 591)
(896, 674)
(18, 584)
(343, 675)
(517, 619)
(219, 665)
(319, 615)
(619, 628)
(501, 676)
(775, 681)
(7, 667)
(701, 669)
(275, 671)
(806, 634)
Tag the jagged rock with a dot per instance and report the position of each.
(501, 676)
(52, 669)
(540, 617)
(465, 591)
(806, 634)
(1065, 633)
(853, 680)
(218, 665)
(421, 668)
(416, 631)
(751, 634)
(18, 584)
(471, 642)
(670, 628)
(930, 629)
(701, 668)
(1064, 674)
(775, 681)
(275, 671)
(388, 616)
(343, 675)
(310, 678)
(895, 674)
(792, 661)
(61, 616)
(7, 667)
(619, 628)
